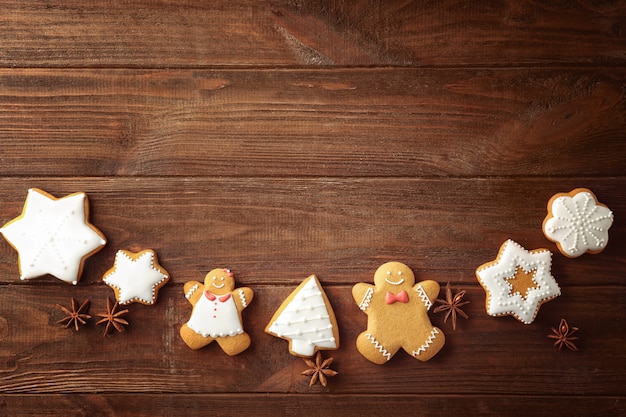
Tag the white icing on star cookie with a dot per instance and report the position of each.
(518, 282)
(53, 236)
(136, 277)
(577, 223)
(306, 319)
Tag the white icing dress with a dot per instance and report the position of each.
(215, 316)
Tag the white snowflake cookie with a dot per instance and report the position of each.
(518, 282)
(577, 223)
(53, 236)
(136, 277)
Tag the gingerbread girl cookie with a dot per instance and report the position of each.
(216, 315)
(397, 311)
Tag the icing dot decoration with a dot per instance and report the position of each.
(577, 223)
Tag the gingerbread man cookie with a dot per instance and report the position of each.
(397, 310)
(216, 315)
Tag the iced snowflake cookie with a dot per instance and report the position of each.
(53, 236)
(306, 319)
(136, 277)
(577, 223)
(397, 315)
(216, 314)
(518, 282)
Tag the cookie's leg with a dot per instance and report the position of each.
(193, 339)
(233, 345)
(373, 349)
(424, 349)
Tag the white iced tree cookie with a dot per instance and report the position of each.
(577, 223)
(53, 236)
(306, 319)
(518, 282)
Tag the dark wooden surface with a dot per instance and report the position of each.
(286, 138)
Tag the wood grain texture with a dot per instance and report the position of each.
(178, 33)
(340, 122)
(284, 138)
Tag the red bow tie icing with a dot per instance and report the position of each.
(223, 298)
(391, 298)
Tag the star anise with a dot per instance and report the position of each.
(75, 316)
(112, 318)
(319, 369)
(452, 304)
(563, 335)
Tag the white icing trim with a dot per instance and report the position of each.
(242, 297)
(394, 282)
(367, 298)
(422, 294)
(378, 346)
(191, 291)
(428, 343)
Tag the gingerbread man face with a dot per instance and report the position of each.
(397, 310)
(216, 314)
(219, 281)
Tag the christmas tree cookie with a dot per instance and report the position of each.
(306, 319)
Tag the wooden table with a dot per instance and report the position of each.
(286, 138)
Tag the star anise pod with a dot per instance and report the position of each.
(319, 369)
(77, 315)
(563, 335)
(452, 304)
(112, 318)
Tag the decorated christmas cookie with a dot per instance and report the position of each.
(216, 314)
(518, 282)
(53, 236)
(577, 223)
(306, 319)
(136, 277)
(397, 310)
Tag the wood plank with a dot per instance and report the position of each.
(39, 356)
(279, 230)
(175, 33)
(340, 122)
(148, 405)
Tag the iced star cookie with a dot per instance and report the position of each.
(397, 315)
(136, 277)
(216, 314)
(53, 236)
(306, 319)
(577, 223)
(518, 282)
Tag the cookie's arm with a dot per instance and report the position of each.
(362, 294)
(427, 291)
(243, 297)
(193, 291)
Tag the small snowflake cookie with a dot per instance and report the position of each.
(577, 223)
(306, 319)
(53, 236)
(518, 282)
(397, 315)
(136, 277)
(216, 314)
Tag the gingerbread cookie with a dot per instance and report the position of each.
(518, 282)
(136, 277)
(397, 310)
(216, 314)
(53, 236)
(306, 319)
(577, 223)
